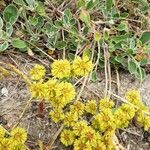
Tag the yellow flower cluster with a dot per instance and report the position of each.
(91, 107)
(83, 131)
(67, 137)
(37, 72)
(15, 140)
(123, 115)
(82, 66)
(106, 103)
(61, 68)
(133, 96)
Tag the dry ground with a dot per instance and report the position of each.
(42, 128)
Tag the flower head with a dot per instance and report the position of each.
(82, 66)
(57, 115)
(77, 107)
(38, 90)
(89, 135)
(67, 137)
(106, 103)
(61, 68)
(81, 145)
(70, 118)
(5, 144)
(91, 107)
(19, 135)
(79, 127)
(2, 133)
(144, 120)
(51, 87)
(65, 92)
(104, 120)
(37, 72)
(133, 96)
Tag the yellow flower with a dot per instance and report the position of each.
(65, 92)
(99, 145)
(57, 103)
(81, 145)
(104, 120)
(18, 147)
(77, 107)
(82, 66)
(67, 137)
(38, 90)
(91, 107)
(108, 142)
(37, 72)
(51, 87)
(5, 144)
(144, 120)
(121, 119)
(18, 135)
(133, 96)
(106, 103)
(2, 133)
(61, 68)
(128, 110)
(88, 135)
(79, 127)
(70, 118)
(57, 115)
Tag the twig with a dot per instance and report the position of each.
(109, 72)
(82, 88)
(64, 50)
(106, 75)
(51, 58)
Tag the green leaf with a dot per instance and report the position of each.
(81, 3)
(3, 46)
(122, 27)
(17, 43)
(87, 52)
(58, 23)
(1, 23)
(31, 3)
(85, 16)
(97, 36)
(60, 44)
(94, 76)
(19, 2)
(140, 73)
(91, 4)
(40, 9)
(3, 35)
(71, 56)
(10, 14)
(145, 37)
(9, 29)
(119, 38)
(132, 67)
(109, 4)
(68, 13)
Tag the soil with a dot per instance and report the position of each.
(14, 96)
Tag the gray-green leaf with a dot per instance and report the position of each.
(17, 43)
(3, 46)
(145, 37)
(132, 67)
(1, 23)
(10, 14)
